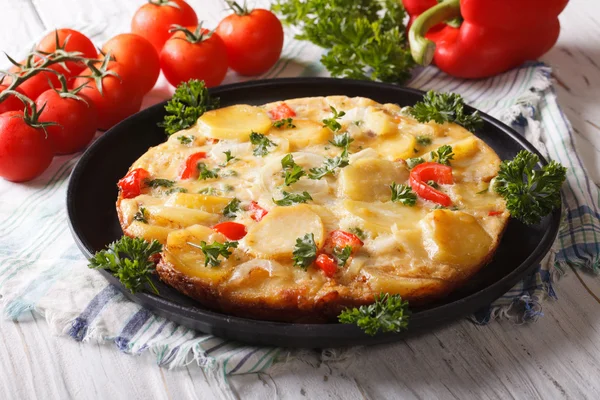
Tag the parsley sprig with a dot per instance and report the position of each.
(129, 259)
(292, 172)
(342, 255)
(343, 141)
(262, 144)
(206, 173)
(530, 193)
(286, 122)
(403, 194)
(141, 215)
(190, 100)
(445, 107)
(328, 167)
(159, 182)
(305, 251)
(413, 162)
(228, 157)
(443, 155)
(213, 251)
(389, 313)
(332, 122)
(232, 208)
(186, 139)
(424, 140)
(293, 198)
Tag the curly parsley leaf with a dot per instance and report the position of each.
(305, 251)
(129, 259)
(232, 208)
(342, 255)
(343, 141)
(262, 144)
(530, 193)
(141, 215)
(424, 140)
(389, 313)
(205, 173)
(177, 190)
(365, 39)
(211, 191)
(286, 122)
(213, 251)
(413, 162)
(159, 182)
(445, 107)
(332, 122)
(186, 139)
(190, 100)
(442, 155)
(403, 194)
(328, 167)
(292, 172)
(293, 198)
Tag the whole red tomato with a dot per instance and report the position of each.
(69, 40)
(118, 98)
(38, 83)
(194, 53)
(77, 120)
(254, 39)
(25, 151)
(154, 19)
(11, 103)
(136, 54)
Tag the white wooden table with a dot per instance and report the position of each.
(557, 357)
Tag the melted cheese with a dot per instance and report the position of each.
(408, 250)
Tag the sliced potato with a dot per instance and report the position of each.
(396, 146)
(455, 237)
(465, 148)
(190, 260)
(380, 217)
(380, 122)
(275, 235)
(148, 232)
(179, 217)
(369, 179)
(383, 282)
(210, 204)
(234, 122)
(306, 133)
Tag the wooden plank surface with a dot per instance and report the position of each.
(557, 357)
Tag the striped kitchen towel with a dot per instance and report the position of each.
(43, 272)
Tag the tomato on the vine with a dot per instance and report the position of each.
(38, 83)
(116, 98)
(254, 39)
(25, 150)
(194, 53)
(76, 120)
(154, 19)
(136, 54)
(11, 103)
(69, 40)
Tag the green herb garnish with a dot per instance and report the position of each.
(293, 198)
(262, 144)
(141, 216)
(423, 140)
(228, 157)
(342, 255)
(186, 139)
(231, 209)
(389, 313)
(413, 162)
(445, 107)
(442, 155)
(292, 172)
(362, 235)
(305, 251)
(530, 193)
(403, 194)
(154, 183)
(190, 100)
(205, 173)
(209, 191)
(286, 122)
(328, 167)
(343, 141)
(332, 122)
(213, 251)
(177, 190)
(130, 260)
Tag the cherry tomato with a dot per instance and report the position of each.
(190, 171)
(195, 54)
(69, 40)
(25, 152)
(11, 103)
(341, 239)
(282, 111)
(231, 230)
(254, 39)
(327, 264)
(119, 99)
(136, 54)
(132, 184)
(154, 19)
(38, 83)
(257, 212)
(76, 119)
(431, 171)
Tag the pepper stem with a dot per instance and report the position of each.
(423, 49)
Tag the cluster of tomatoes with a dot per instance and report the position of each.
(66, 102)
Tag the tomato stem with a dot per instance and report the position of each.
(197, 36)
(31, 114)
(162, 3)
(237, 9)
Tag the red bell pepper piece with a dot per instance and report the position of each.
(431, 171)
(340, 239)
(282, 111)
(132, 184)
(191, 165)
(494, 213)
(257, 212)
(231, 230)
(495, 36)
(327, 264)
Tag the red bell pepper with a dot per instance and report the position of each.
(257, 212)
(190, 170)
(231, 230)
(327, 264)
(282, 111)
(132, 184)
(494, 37)
(431, 171)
